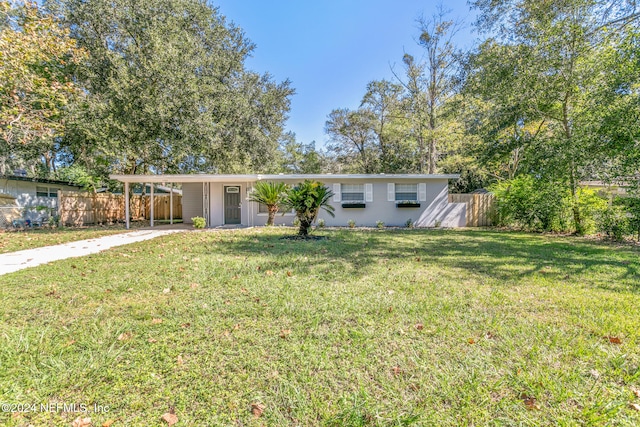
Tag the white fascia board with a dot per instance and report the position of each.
(259, 177)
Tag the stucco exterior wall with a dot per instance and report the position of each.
(434, 211)
(191, 201)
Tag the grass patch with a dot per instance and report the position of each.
(12, 241)
(364, 328)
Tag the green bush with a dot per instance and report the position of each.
(380, 224)
(351, 223)
(614, 222)
(321, 223)
(537, 205)
(591, 207)
(199, 222)
(531, 204)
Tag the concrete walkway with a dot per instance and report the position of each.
(15, 261)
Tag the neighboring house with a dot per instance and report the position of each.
(38, 197)
(393, 199)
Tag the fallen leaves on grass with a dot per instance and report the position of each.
(614, 340)
(125, 336)
(635, 391)
(170, 418)
(257, 409)
(180, 360)
(471, 341)
(194, 285)
(419, 326)
(108, 423)
(285, 333)
(81, 422)
(397, 370)
(269, 273)
(166, 290)
(151, 340)
(156, 321)
(634, 406)
(530, 402)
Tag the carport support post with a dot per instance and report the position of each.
(126, 204)
(151, 205)
(171, 204)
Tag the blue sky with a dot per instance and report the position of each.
(331, 49)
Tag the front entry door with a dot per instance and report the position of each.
(232, 202)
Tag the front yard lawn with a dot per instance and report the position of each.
(365, 328)
(17, 240)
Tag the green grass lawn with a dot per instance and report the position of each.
(11, 241)
(365, 328)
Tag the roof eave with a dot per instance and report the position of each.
(186, 178)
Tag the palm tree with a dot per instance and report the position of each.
(307, 198)
(270, 194)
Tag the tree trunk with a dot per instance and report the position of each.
(305, 225)
(272, 210)
(432, 155)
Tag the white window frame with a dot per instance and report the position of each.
(403, 189)
(352, 189)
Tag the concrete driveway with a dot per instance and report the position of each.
(15, 261)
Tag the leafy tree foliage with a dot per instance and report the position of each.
(168, 90)
(306, 199)
(402, 126)
(297, 157)
(270, 194)
(37, 62)
(539, 74)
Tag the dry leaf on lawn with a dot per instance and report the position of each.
(471, 341)
(397, 370)
(285, 333)
(108, 423)
(530, 402)
(614, 340)
(170, 418)
(419, 326)
(635, 391)
(180, 360)
(156, 321)
(634, 406)
(81, 422)
(125, 336)
(257, 409)
(151, 340)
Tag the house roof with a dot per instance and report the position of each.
(39, 180)
(278, 177)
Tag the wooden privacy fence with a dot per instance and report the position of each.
(87, 208)
(479, 208)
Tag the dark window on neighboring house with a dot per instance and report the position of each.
(42, 192)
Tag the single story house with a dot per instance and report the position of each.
(38, 197)
(365, 198)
